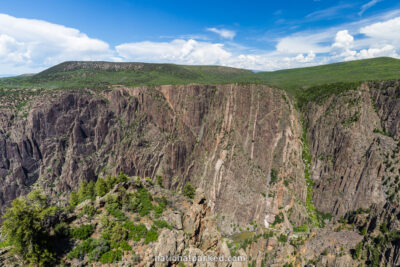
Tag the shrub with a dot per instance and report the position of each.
(162, 201)
(73, 199)
(159, 180)
(79, 251)
(136, 232)
(114, 210)
(89, 210)
(278, 219)
(145, 202)
(118, 233)
(86, 191)
(100, 247)
(122, 177)
(133, 204)
(357, 251)
(161, 224)
(111, 181)
(82, 232)
(125, 246)
(301, 228)
(282, 238)
(274, 177)
(111, 256)
(24, 228)
(151, 236)
(101, 187)
(158, 210)
(62, 230)
(189, 190)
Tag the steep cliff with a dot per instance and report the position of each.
(225, 139)
(289, 178)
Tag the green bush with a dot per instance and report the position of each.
(83, 232)
(86, 191)
(189, 190)
(278, 219)
(73, 199)
(274, 177)
(133, 203)
(100, 247)
(125, 246)
(101, 187)
(80, 250)
(114, 210)
(301, 228)
(159, 180)
(118, 234)
(152, 235)
(158, 210)
(62, 230)
(136, 232)
(161, 224)
(89, 210)
(24, 228)
(282, 238)
(145, 202)
(111, 256)
(122, 177)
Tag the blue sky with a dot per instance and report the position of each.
(258, 35)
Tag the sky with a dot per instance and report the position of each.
(256, 35)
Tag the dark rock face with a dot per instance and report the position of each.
(224, 139)
(351, 137)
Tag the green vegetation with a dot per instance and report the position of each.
(24, 228)
(301, 228)
(282, 238)
(189, 190)
(278, 219)
(130, 74)
(310, 83)
(82, 232)
(322, 92)
(274, 177)
(100, 236)
(346, 72)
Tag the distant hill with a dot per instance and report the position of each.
(383, 68)
(99, 75)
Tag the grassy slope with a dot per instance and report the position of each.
(149, 74)
(360, 70)
(72, 74)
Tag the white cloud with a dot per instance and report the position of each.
(28, 44)
(388, 30)
(343, 40)
(223, 33)
(177, 51)
(328, 12)
(368, 6)
(304, 43)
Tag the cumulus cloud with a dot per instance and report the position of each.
(342, 47)
(28, 45)
(177, 51)
(223, 33)
(36, 43)
(388, 30)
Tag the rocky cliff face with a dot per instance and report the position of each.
(224, 139)
(353, 138)
(243, 145)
